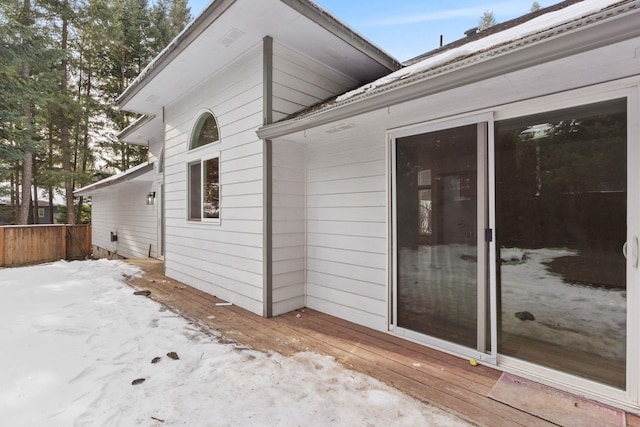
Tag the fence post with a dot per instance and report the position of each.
(89, 237)
(1, 246)
(64, 242)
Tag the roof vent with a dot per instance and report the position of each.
(471, 32)
(231, 37)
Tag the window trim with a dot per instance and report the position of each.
(201, 161)
(202, 116)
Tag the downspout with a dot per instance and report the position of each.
(267, 179)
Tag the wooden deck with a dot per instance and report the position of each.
(445, 381)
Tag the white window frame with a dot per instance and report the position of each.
(199, 117)
(201, 162)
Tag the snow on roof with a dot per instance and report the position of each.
(541, 23)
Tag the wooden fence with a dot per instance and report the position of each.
(34, 244)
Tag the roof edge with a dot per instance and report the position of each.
(340, 29)
(125, 176)
(137, 124)
(215, 9)
(566, 40)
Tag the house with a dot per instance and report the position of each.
(482, 199)
(44, 212)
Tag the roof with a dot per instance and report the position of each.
(240, 25)
(142, 172)
(135, 126)
(551, 33)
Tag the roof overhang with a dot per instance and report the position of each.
(203, 49)
(141, 131)
(140, 173)
(610, 26)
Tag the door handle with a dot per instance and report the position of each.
(634, 251)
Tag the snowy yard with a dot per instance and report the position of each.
(74, 338)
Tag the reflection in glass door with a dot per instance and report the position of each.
(561, 195)
(436, 209)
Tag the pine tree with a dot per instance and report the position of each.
(534, 7)
(487, 20)
(27, 87)
(179, 17)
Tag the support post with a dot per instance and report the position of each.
(267, 217)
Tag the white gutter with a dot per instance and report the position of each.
(609, 26)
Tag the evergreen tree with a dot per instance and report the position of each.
(534, 7)
(62, 65)
(27, 87)
(179, 17)
(487, 20)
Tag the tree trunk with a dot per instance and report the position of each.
(27, 162)
(36, 203)
(64, 120)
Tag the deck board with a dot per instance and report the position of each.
(431, 376)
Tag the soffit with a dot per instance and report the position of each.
(236, 30)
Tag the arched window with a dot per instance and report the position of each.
(205, 131)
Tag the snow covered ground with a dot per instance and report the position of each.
(73, 338)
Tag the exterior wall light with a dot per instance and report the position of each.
(151, 197)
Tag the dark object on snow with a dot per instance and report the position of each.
(143, 293)
(525, 315)
(156, 359)
(137, 381)
(173, 355)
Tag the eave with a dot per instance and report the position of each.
(373, 61)
(609, 26)
(138, 173)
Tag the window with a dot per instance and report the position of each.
(204, 190)
(205, 132)
(203, 171)
(41, 212)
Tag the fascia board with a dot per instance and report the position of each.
(568, 40)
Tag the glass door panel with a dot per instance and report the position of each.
(437, 234)
(561, 212)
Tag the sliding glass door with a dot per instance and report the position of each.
(515, 240)
(561, 228)
(441, 289)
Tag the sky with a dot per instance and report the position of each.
(408, 28)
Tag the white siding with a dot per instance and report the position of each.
(288, 227)
(123, 210)
(346, 229)
(224, 259)
(299, 82)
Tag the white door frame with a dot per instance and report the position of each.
(485, 132)
(626, 88)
